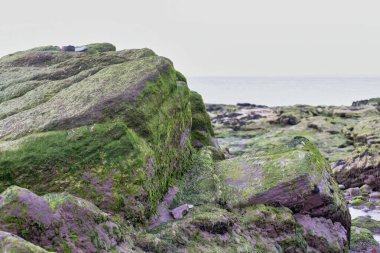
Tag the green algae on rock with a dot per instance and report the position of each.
(368, 223)
(362, 241)
(111, 127)
(201, 129)
(209, 228)
(295, 175)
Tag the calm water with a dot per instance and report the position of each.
(273, 91)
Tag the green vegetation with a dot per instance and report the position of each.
(100, 47)
(200, 185)
(201, 129)
(69, 138)
(361, 239)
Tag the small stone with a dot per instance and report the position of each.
(365, 189)
(180, 211)
(354, 192)
(342, 187)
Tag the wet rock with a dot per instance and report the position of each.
(360, 103)
(362, 241)
(164, 214)
(288, 120)
(180, 211)
(323, 235)
(359, 170)
(296, 176)
(354, 192)
(368, 223)
(58, 222)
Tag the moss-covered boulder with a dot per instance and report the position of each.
(362, 234)
(60, 222)
(295, 175)
(111, 127)
(362, 241)
(368, 223)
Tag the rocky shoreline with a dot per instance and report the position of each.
(348, 137)
(110, 151)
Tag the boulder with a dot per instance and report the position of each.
(59, 222)
(360, 169)
(68, 48)
(295, 175)
(288, 119)
(353, 192)
(180, 211)
(362, 241)
(368, 223)
(323, 235)
(110, 127)
(12, 243)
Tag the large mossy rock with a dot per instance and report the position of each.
(295, 175)
(111, 127)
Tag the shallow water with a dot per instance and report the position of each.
(375, 215)
(275, 91)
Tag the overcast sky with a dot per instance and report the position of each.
(211, 37)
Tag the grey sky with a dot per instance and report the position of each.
(211, 37)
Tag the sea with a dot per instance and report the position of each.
(280, 91)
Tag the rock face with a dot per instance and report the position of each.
(110, 127)
(263, 168)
